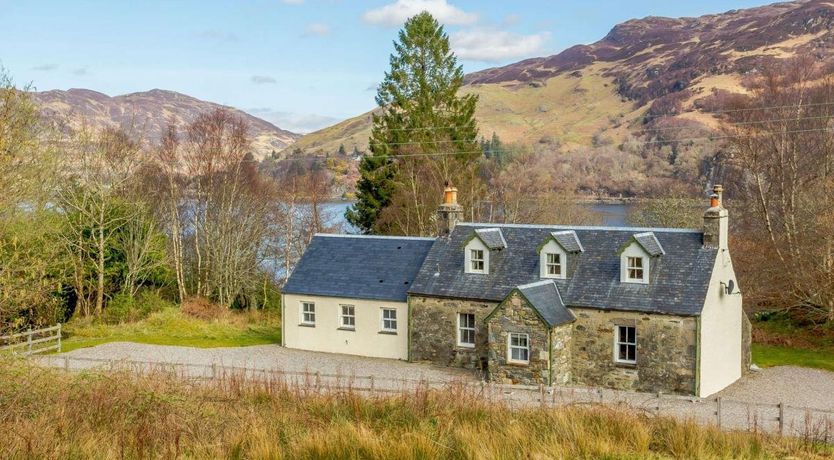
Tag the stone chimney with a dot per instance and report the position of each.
(450, 212)
(716, 221)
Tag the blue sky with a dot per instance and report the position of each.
(302, 64)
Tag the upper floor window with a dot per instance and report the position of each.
(625, 345)
(466, 330)
(348, 317)
(476, 260)
(553, 263)
(636, 269)
(389, 320)
(518, 348)
(308, 313)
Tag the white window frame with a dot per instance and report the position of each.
(345, 316)
(553, 248)
(304, 312)
(634, 251)
(511, 347)
(467, 328)
(476, 245)
(630, 268)
(383, 319)
(473, 260)
(619, 341)
(557, 264)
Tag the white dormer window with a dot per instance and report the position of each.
(477, 257)
(552, 260)
(476, 260)
(636, 271)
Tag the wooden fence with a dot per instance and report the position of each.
(804, 422)
(32, 342)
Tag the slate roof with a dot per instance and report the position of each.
(359, 267)
(649, 242)
(679, 283)
(545, 298)
(492, 238)
(568, 240)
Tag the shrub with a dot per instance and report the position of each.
(125, 309)
(202, 308)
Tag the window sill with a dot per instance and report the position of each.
(518, 363)
(387, 332)
(625, 365)
(466, 346)
(351, 329)
(306, 325)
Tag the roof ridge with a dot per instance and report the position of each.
(536, 283)
(381, 237)
(583, 227)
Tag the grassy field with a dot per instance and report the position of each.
(780, 342)
(46, 413)
(171, 327)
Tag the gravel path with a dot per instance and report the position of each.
(749, 404)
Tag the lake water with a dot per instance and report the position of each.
(612, 214)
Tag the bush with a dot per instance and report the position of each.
(125, 309)
(202, 308)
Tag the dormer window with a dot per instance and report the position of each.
(476, 260)
(554, 253)
(553, 264)
(636, 257)
(635, 269)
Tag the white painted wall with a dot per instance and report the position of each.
(552, 247)
(365, 340)
(721, 334)
(476, 243)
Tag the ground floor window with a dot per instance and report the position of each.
(348, 317)
(308, 313)
(518, 348)
(466, 329)
(626, 345)
(389, 320)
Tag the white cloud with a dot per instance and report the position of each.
(262, 80)
(296, 122)
(81, 71)
(292, 2)
(45, 67)
(316, 29)
(394, 14)
(490, 45)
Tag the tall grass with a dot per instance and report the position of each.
(47, 413)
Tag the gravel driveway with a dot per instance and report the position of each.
(749, 404)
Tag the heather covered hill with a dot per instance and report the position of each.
(658, 66)
(149, 113)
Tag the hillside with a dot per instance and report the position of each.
(604, 88)
(150, 112)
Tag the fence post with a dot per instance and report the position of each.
(29, 342)
(66, 363)
(59, 337)
(372, 384)
(781, 419)
(718, 411)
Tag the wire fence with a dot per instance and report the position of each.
(805, 422)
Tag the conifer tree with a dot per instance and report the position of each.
(424, 135)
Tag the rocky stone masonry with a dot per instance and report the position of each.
(561, 354)
(746, 344)
(516, 315)
(666, 351)
(433, 331)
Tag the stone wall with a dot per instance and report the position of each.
(666, 351)
(561, 354)
(746, 344)
(516, 315)
(433, 331)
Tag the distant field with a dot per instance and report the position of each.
(779, 342)
(172, 327)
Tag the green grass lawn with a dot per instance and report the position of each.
(171, 327)
(781, 342)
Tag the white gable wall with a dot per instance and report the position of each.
(552, 247)
(476, 243)
(365, 340)
(721, 334)
(635, 250)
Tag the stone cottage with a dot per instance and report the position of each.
(649, 309)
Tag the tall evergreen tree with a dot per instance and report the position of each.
(424, 135)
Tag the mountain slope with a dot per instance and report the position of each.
(602, 90)
(150, 112)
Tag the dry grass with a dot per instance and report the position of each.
(49, 414)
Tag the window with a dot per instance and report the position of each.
(308, 313)
(476, 259)
(554, 265)
(626, 345)
(348, 317)
(389, 320)
(518, 348)
(635, 268)
(466, 330)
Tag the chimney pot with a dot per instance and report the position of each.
(714, 201)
